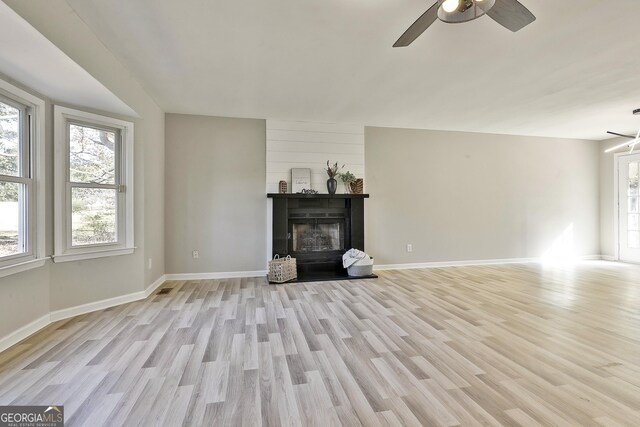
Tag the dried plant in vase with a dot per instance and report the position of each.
(332, 171)
(347, 179)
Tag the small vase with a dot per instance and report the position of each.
(347, 188)
(332, 185)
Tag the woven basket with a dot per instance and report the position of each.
(358, 186)
(282, 269)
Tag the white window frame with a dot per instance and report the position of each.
(34, 159)
(64, 251)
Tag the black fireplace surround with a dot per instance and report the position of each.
(317, 229)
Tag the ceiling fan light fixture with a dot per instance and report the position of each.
(450, 6)
(458, 11)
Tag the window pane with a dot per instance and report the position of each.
(633, 171)
(633, 205)
(633, 222)
(633, 179)
(634, 240)
(9, 140)
(93, 218)
(11, 219)
(91, 155)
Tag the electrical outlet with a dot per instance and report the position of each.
(196, 254)
(150, 264)
(409, 247)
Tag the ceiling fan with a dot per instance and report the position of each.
(508, 13)
(632, 144)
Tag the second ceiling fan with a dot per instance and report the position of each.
(508, 13)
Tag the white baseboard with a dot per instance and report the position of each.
(442, 264)
(155, 285)
(66, 313)
(22, 333)
(106, 303)
(609, 258)
(592, 258)
(209, 276)
(137, 296)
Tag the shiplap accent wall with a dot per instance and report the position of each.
(310, 145)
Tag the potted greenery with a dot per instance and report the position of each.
(332, 172)
(347, 179)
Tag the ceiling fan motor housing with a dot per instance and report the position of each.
(467, 10)
(465, 5)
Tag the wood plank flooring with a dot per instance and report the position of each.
(492, 345)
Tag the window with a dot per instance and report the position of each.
(94, 176)
(21, 202)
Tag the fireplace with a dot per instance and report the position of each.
(317, 229)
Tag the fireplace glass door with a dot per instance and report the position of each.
(315, 236)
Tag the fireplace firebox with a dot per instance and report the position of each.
(317, 229)
(316, 236)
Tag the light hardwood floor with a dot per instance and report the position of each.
(490, 345)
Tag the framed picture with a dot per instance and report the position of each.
(300, 179)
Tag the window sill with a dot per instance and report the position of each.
(22, 266)
(92, 254)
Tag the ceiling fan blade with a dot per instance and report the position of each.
(511, 14)
(418, 27)
(621, 134)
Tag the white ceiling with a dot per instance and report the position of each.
(573, 73)
(27, 57)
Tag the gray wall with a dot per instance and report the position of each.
(463, 196)
(27, 296)
(215, 194)
(24, 298)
